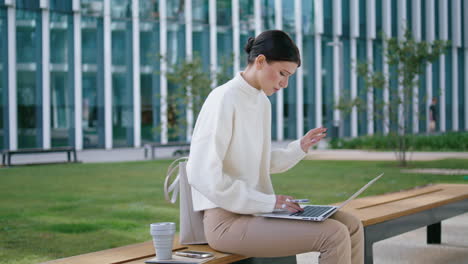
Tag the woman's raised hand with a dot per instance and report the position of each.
(285, 202)
(312, 137)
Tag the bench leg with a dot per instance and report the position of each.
(74, 156)
(434, 233)
(280, 260)
(368, 254)
(68, 156)
(9, 160)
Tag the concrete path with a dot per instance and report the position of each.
(438, 171)
(135, 154)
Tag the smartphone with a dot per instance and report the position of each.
(300, 200)
(193, 254)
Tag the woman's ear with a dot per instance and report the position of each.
(260, 61)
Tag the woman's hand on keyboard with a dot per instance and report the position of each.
(284, 202)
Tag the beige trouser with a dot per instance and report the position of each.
(339, 239)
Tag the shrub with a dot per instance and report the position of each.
(450, 141)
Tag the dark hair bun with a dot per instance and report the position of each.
(249, 45)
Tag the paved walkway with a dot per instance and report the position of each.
(135, 154)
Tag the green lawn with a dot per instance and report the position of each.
(54, 211)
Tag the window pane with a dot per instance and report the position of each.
(175, 10)
(290, 97)
(29, 103)
(92, 103)
(58, 38)
(3, 83)
(27, 4)
(224, 12)
(200, 11)
(92, 7)
(121, 8)
(61, 110)
(61, 5)
(61, 91)
(122, 111)
(268, 14)
(149, 60)
(149, 9)
(175, 56)
(122, 83)
(147, 113)
(246, 27)
(91, 108)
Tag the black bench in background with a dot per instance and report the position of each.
(6, 154)
(179, 152)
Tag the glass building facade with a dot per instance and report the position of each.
(88, 73)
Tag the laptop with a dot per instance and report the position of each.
(317, 213)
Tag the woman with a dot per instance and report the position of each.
(231, 160)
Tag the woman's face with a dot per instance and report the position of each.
(274, 76)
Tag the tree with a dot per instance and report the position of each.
(407, 59)
(192, 85)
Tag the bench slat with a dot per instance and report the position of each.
(138, 253)
(392, 206)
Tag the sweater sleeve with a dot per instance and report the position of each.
(209, 146)
(284, 159)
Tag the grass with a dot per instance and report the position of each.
(54, 211)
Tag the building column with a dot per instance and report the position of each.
(213, 43)
(258, 17)
(337, 46)
(454, 89)
(163, 78)
(189, 55)
(371, 34)
(456, 43)
(443, 35)
(416, 22)
(136, 74)
(318, 14)
(354, 16)
(402, 23)
(430, 36)
(108, 137)
(280, 93)
(300, 71)
(236, 35)
(442, 99)
(77, 73)
(45, 72)
(12, 84)
(466, 89)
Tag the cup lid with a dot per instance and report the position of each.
(163, 226)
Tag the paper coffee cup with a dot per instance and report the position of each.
(163, 239)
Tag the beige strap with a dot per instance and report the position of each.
(174, 186)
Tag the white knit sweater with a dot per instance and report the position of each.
(230, 155)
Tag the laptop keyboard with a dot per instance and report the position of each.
(312, 211)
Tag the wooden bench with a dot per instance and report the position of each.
(7, 154)
(151, 147)
(388, 215)
(383, 216)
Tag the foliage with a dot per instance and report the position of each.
(192, 84)
(407, 59)
(451, 141)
